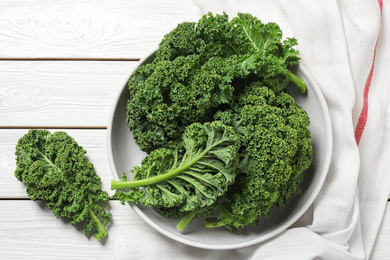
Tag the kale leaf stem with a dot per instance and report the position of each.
(296, 81)
(102, 232)
(163, 177)
(158, 178)
(185, 220)
(214, 222)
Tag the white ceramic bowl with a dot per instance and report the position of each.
(124, 154)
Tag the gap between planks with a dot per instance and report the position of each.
(24, 198)
(28, 198)
(70, 59)
(56, 127)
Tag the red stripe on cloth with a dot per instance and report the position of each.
(364, 112)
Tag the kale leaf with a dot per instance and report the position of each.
(55, 170)
(200, 67)
(276, 149)
(185, 182)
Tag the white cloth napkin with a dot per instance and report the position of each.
(343, 45)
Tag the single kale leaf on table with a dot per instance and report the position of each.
(56, 171)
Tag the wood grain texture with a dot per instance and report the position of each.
(51, 93)
(60, 67)
(29, 230)
(94, 141)
(88, 28)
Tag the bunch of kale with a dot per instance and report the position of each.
(224, 137)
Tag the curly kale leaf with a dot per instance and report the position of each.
(200, 67)
(276, 149)
(55, 170)
(185, 182)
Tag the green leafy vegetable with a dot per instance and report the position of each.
(276, 149)
(231, 75)
(186, 181)
(55, 170)
(199, 67)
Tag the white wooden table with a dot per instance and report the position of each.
(62, 63)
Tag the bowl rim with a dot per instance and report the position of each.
(276, 231)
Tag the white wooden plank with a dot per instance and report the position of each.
(94, 141)
(51, 93)
(88, 28)
(29, 230)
